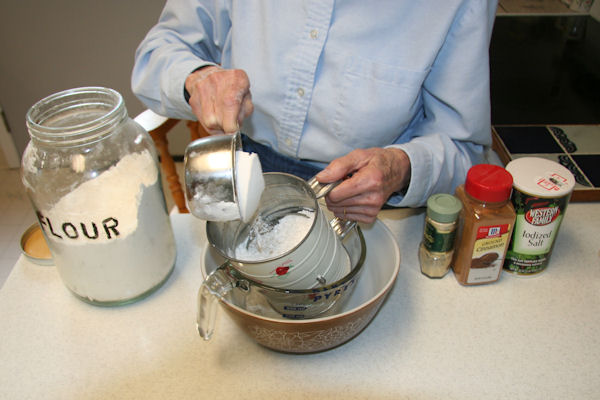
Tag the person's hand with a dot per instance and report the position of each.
(220, 98)
(376, 173)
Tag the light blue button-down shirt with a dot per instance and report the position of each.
(331, 76)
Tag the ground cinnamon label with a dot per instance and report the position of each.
(486, 224)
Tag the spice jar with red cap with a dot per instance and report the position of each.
(486, 224)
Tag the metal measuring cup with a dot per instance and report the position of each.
(210, 181)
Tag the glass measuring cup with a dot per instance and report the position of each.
(227, 284)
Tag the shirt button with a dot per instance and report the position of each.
(314, 34)
(300, 92)
(288, 142)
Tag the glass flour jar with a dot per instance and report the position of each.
(93, 178)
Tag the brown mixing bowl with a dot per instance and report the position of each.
(379, 273)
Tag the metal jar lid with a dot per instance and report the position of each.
(34, 246)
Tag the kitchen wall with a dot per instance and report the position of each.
(595, 10)
(48, 46)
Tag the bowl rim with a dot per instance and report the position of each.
(375, 298)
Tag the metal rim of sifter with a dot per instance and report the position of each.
(340, 282)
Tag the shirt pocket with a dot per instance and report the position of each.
(376, 102)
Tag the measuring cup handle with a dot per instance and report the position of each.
(216, 285)
(321, 189)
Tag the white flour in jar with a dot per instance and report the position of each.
(111, 237)
(115, 195)
(284, 236)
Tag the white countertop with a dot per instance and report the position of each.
(519, 338)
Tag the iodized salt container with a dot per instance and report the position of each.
(541, 191)
(92, 176)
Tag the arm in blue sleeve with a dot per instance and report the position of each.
(454, 130)
(188, 35)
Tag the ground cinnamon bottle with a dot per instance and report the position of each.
(486, 224)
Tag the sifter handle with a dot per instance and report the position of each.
(321, 189)
(340, 226)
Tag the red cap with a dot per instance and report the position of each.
(489, 183)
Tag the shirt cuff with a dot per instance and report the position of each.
(175, 93)
(420, 167)
(186, 94)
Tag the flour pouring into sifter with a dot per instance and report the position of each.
(271, 239)
(249, 183)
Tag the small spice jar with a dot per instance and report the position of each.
(437, 248)
(486, 224)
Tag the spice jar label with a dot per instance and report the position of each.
(536, 226)
(541, 192)
(488, 251)
(436, 241)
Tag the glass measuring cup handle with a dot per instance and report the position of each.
(341, 227)
(214, 288)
